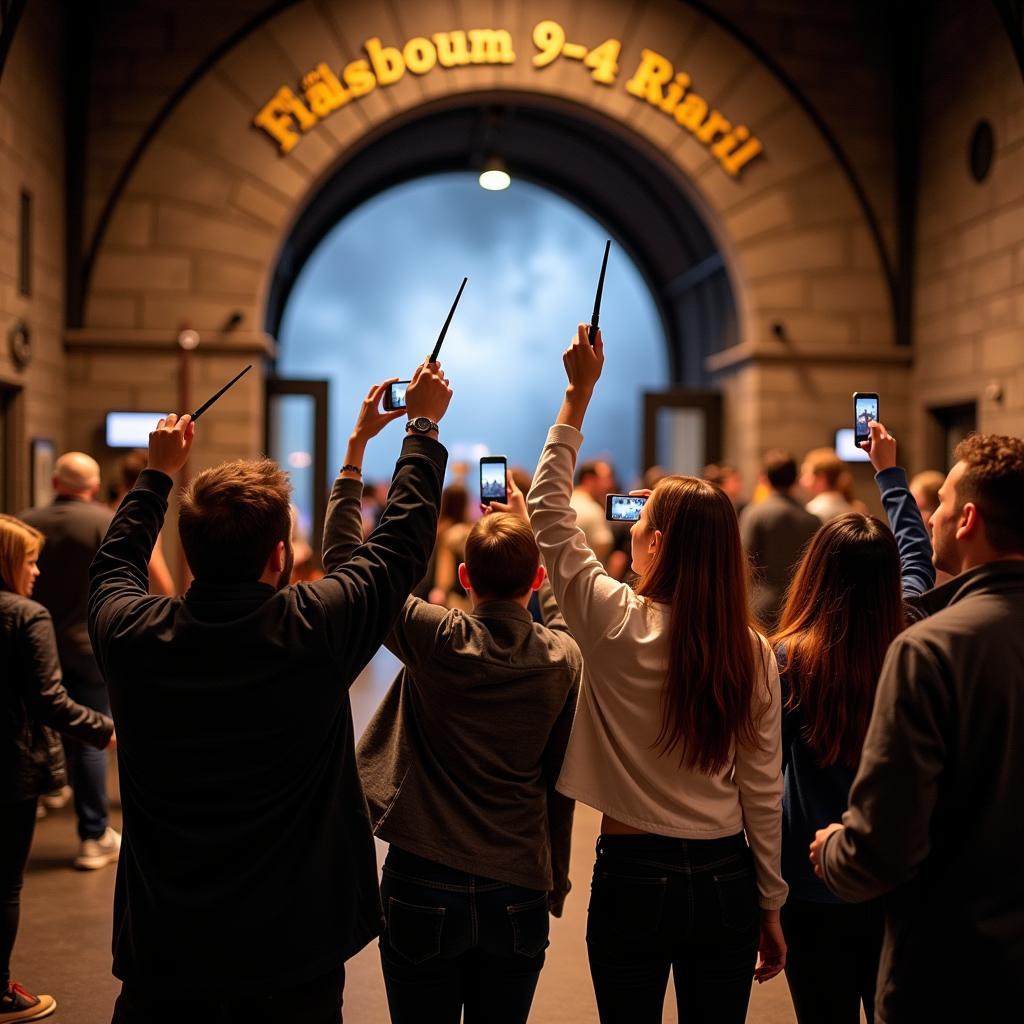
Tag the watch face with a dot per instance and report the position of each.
(421, 423)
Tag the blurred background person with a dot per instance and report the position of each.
(728, 478)
(32, 705)
(925, 489)
(820, 478)
(74, 524)
(774, 534)
(845, 607)
(129, 466)
(453, 528)
(594, 482)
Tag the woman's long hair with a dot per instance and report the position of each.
(700, 572)
(18, 543)
(844, 608)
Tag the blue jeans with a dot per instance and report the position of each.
(455, 941)
(87, 766)
(686, 904)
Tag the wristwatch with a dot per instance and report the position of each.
(421, 425)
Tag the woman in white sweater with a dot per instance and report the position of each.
(676, 740)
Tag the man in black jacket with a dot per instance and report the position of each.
(74, 524)
(248, 873)
(934, 822)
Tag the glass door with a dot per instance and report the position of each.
(682, 430)
(297, 440)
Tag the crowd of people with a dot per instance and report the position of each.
(806, 754)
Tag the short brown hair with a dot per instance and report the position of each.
(501, 556)
(824, 462)
(779, 468)
(994, 482)
(232, 516)
(18, 542)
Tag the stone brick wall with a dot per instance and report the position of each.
(32, 159)
(969, 296)
(198, 228)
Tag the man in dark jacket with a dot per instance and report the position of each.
(248, 874)
(74, 525)
(934, 822)
(774, 534)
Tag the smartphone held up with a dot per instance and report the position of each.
(394, 397)
(624, 508)
(865, 409)
(493, 479)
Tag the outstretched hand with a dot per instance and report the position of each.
(428, 393)
(170, 443)
(880, 446)
(516, 501)
(582, 361)
(372, 419)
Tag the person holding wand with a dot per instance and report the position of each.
(676, 739)
(248, 874)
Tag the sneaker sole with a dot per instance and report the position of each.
(39, 1014)
(92, 864)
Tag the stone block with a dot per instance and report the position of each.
(992, 275)
(170, 169)
(141, 271)
(184, 228)
(849, 292)
(812, 249)
(231, 276)
(1001, 350)
(131, 225)
(1008, 227)
(103, 309)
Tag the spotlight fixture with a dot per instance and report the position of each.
(495, 177)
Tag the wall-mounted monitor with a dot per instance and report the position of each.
(846, 447)
(130, 429)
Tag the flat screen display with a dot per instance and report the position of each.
(130, 429)
(846, 446)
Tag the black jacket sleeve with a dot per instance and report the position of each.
(886, 829)
(366, 586)
(45, 695)
(119, 574)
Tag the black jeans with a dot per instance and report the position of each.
(18, 818)
(832, 959)
(313, 1002)
(457, 941)
(686, 904)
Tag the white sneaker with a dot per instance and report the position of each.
(98, 853)
(57, 799)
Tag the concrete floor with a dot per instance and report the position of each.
(64, 943)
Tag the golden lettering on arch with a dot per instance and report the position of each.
(323, 90)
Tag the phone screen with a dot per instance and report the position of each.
(624, 508)
(492, 480)
(865, 409)
(396, 399)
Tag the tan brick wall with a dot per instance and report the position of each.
(969, 295)
(32, 159)
(211, 201)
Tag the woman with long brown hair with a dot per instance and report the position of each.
(676, 740)
(845, 606)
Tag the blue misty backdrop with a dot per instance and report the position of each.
(372, 297)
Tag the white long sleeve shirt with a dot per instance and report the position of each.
(612, 763)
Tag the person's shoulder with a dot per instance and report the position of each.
(23, 609)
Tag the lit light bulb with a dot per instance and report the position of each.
(495, 177)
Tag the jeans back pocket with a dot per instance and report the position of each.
(530, 925)
(736, 892)
(414, 932)
(625, 908)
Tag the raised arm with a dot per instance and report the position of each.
(591, 600)
(366, 586)
(119, 574)
(915, 546)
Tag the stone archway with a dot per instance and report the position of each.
(197, 231)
